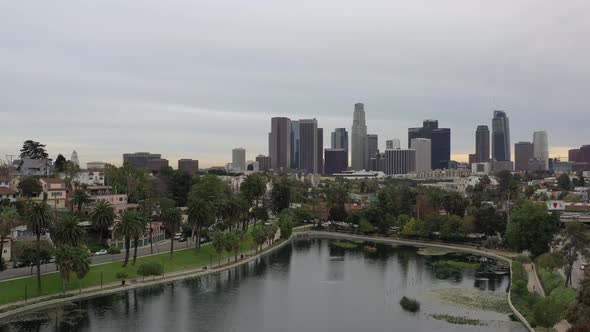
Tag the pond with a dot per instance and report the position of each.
(308, 285)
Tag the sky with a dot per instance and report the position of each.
(194, 79)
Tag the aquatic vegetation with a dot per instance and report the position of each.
(433, 251)
(457, 265)
(409, 304)
(370, 249)
(345, 245)
(460, 320)
(473, 299)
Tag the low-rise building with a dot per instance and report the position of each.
(105, 193)
(7, 193)
(54, 189)
(32, 167)
(91, 178)
(7, 250)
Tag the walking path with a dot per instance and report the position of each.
(534, 286)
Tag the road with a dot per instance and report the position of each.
(164, 246)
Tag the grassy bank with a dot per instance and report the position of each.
(14, 290)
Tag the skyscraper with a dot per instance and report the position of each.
(523, 152)
(295, 147)
(372, 147)
(308, 144)
(74, 158)
(336, 161)
(339, 139)
(239, 159)
(423, 154)
(440, 139)
(541, 147)
(139, 159)
(280, 143)
(320, 151)
(263, 162)
(500, 137)
(393, 143)
(400, 161)
(359, 153)
(189, 166)
(482, 144)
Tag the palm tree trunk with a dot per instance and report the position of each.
(151, 238)
(199, 237)
(171, 246)
(1, 245)
(38, 259)
(135, 251)
(127, 244)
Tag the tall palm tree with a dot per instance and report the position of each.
(141, 221)
(172, 220)
(102, 216)
(67, 231)
(199, 213)
(79, 198)
(128, 228)
(8, 219)
(38, 219)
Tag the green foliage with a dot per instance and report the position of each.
(60, 163)
(129, 180)
(280, 194)
(30, 187)
(452, 229)
(531, 228)
(2, 264)
(33, 150)
(489, 221)
(575, 243)
(550, 280)
(121, 275)
(366, 227)
(25, 252)
(411, 228)
(150, 269)
(66, 231)
(549, 261)
(102, 216)
(579, 314)
(286, 226)
(547, 312)
(409, 304)
(564, 182)
(79, 198)
(72, 259)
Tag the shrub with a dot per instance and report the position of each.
(286, 227)
(523, 259)
(550, 280)
(150, 269)
(122, 275)
(547, 312)
(114, 251)
(366, 227)
(549, 261)
(409, 304)
(2, 264)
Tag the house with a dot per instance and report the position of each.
(55, 191)
(91, 178)
(7, 193)
(7, 250)
(32, 167)
(105, 193)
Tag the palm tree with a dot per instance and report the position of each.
(199, 213)
(172, 220)
(8, 220)
(128, 228)
(38, 219)
(79, 198)
(72, 259)
(141, 222)
(102, 216)
(67, 231)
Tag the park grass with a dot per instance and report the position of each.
(14, 290)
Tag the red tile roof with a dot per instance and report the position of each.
(6, 191)
(53, 180)
(4, 178)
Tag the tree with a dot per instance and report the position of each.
(172, 219)
(259, 236)
(547, 312)
(237, 242)
(410, 228)
(550, 261)
(67, 231)
(454, 203)
(8, 220)
(280, 195)
(121, 275)
(102, 216)
(452, 229)
(39, 219)
(150, 269)
(33, 150)
(30, 187)
(286, 225)
(564, 182)
(531, 228)
(71, 172)
(25, 253)
(72, 259)
(2, 264)
(200, 214)
(580, 313)
(218, 242)
(574, 243)
(253, 189)
(366, 227)
(141, 221)
(128, 228)
(229, 243)
(488, 220)
(79, 198)
(60, 163)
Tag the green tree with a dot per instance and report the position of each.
(9, 219)
(142, 222)
(172, 221)
(454, 203)
(33, 150)
(60, 163)
(531, 228)
(488, 220)
(121, 275)
(150, 269)
(280, 195)
(79, 198)
(71, 172)
(38, 220)
(366, 227)
(286, 225)
(229, 242)
(579, 314)
(253, 189)
(102, 217)
(30, 187)
(564, 182)
(547, 312)
(550, 261)
(67, 231)
(128, 228)
(259, 236)
(72, 259)
(574, 243)
(452, 229)
(200, 214)
(218, 242)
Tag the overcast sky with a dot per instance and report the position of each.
(196, 78)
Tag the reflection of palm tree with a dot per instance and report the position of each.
(39, 219)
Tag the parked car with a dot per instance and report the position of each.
(101, 252)
(182, 239)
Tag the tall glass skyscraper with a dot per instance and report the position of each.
(482, 144)
(295, 145)
(339, 139)
(541, 147)
(440, 139)
(501, 137)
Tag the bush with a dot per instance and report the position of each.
(366, 227)
(549, 261)
(122, 275)
(409, 304)
(547, 312)
(114, 251)
(523, 259)
(550, 280)
(286, 227)
(150, 269)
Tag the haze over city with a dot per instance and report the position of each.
(196, 79)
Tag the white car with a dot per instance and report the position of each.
(101, 252)
(583, 266)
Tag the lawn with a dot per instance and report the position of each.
(14, 290)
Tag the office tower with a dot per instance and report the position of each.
(238, 159)
(501, 137)
(74, 158)
(440, 142)
(482, 144)
(308, 145)
(423, 153)
(295, 147)
(280, 143)
(400, 161)
(541, 147)
(263, 162)
(523, 152)
(154, 165)
(358, 149)
(339, 139)
(393, 143)
(336, 161)
(320, 151)
(139, 159)
(189, 166)
(372, 150)
(573, 155)
(472, 158)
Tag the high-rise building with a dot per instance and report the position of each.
(501, 137)
(523, 152)
(139, 159)
(482, 144)
(336, 161)
(423, 153)
(74, 158)
(393, 143)
(339, 139)
(309, 144)
(358, 149)
(280, 143)
(541, 147)
(573, 155)
(400, 161)
(295, 146)
(238, 159)
(320, 151)
(155, 165)
(440, 139)
(372, 150)
(189, 166)
(263, 162)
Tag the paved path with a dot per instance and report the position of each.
(534, 285)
